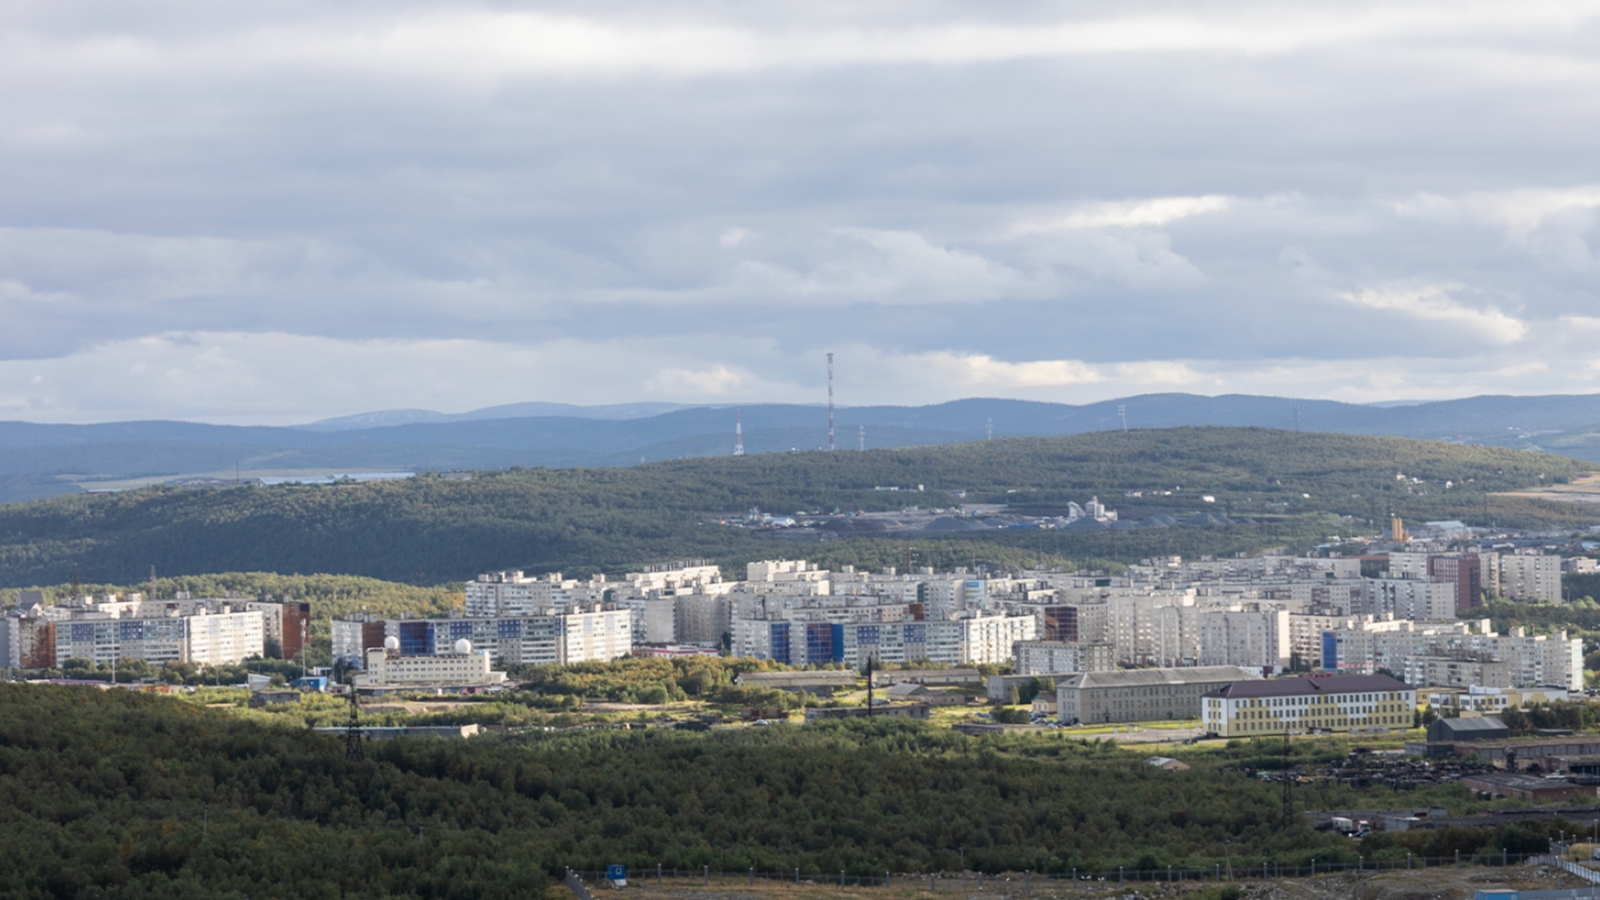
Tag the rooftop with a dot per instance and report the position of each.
(1311, 687)
(1139, 677)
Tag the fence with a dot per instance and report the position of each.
(1232, 871)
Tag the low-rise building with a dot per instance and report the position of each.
(1360, 703)
(386, 668)
(1141, 695)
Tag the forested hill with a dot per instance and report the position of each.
(582, 520)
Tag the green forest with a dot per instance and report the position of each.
(119, 794)
(1292, 487)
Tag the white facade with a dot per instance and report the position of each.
(390, 670)
(1410, 598)
(512, 594)
(1054, 657)
(1530, 578)
(989, 639)
(159, 632)
(1256, 638)
(1364, 647)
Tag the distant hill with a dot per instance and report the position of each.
(1285, 487)
(44, 460)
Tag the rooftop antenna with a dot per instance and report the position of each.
(861, 437)
(76, 586)
(152, 582)
(738, 434)
(988, 429)
(830, 401)
(1122, 413)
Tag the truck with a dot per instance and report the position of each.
(1342, 825)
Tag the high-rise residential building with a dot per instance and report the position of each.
(1530, 577)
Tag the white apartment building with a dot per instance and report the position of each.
(1052, 657)
(512, 594)
(580, 634)
(1256, 637)
(1530, 577)
(1410, 598)
(989, 639)
(202, 632)
(1404, 647)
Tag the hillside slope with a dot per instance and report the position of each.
(582, 520)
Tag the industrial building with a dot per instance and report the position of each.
(1356, 703)
(1141, 695)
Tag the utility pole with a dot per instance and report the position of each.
(352, 735)
(1288, 785)
(869, 687)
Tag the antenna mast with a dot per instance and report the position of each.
(830, 401)
(861, 437)
(1122, 413)
(988, 429)
(738, 434)
(352, 734)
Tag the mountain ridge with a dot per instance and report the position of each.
(43, 459)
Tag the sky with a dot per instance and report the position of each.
(274, 212)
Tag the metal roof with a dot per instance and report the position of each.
(1312, 687)
(1151, 677)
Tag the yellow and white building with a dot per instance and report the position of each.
(1353, 703)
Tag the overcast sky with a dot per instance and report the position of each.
(278, 211)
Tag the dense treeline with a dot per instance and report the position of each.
(586, 520)
(115, 794)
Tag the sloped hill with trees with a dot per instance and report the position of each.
(1288, 485)
(123, 795)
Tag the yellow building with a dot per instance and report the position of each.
(1354, 703)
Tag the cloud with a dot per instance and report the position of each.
(1433, 303)
(279, 211)
(1126, 214)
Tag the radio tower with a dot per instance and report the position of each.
(830, 401)
(738, 434)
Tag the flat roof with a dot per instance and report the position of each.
(1311, 687)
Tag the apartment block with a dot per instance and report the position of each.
(1051, 657)
(1530, 577)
